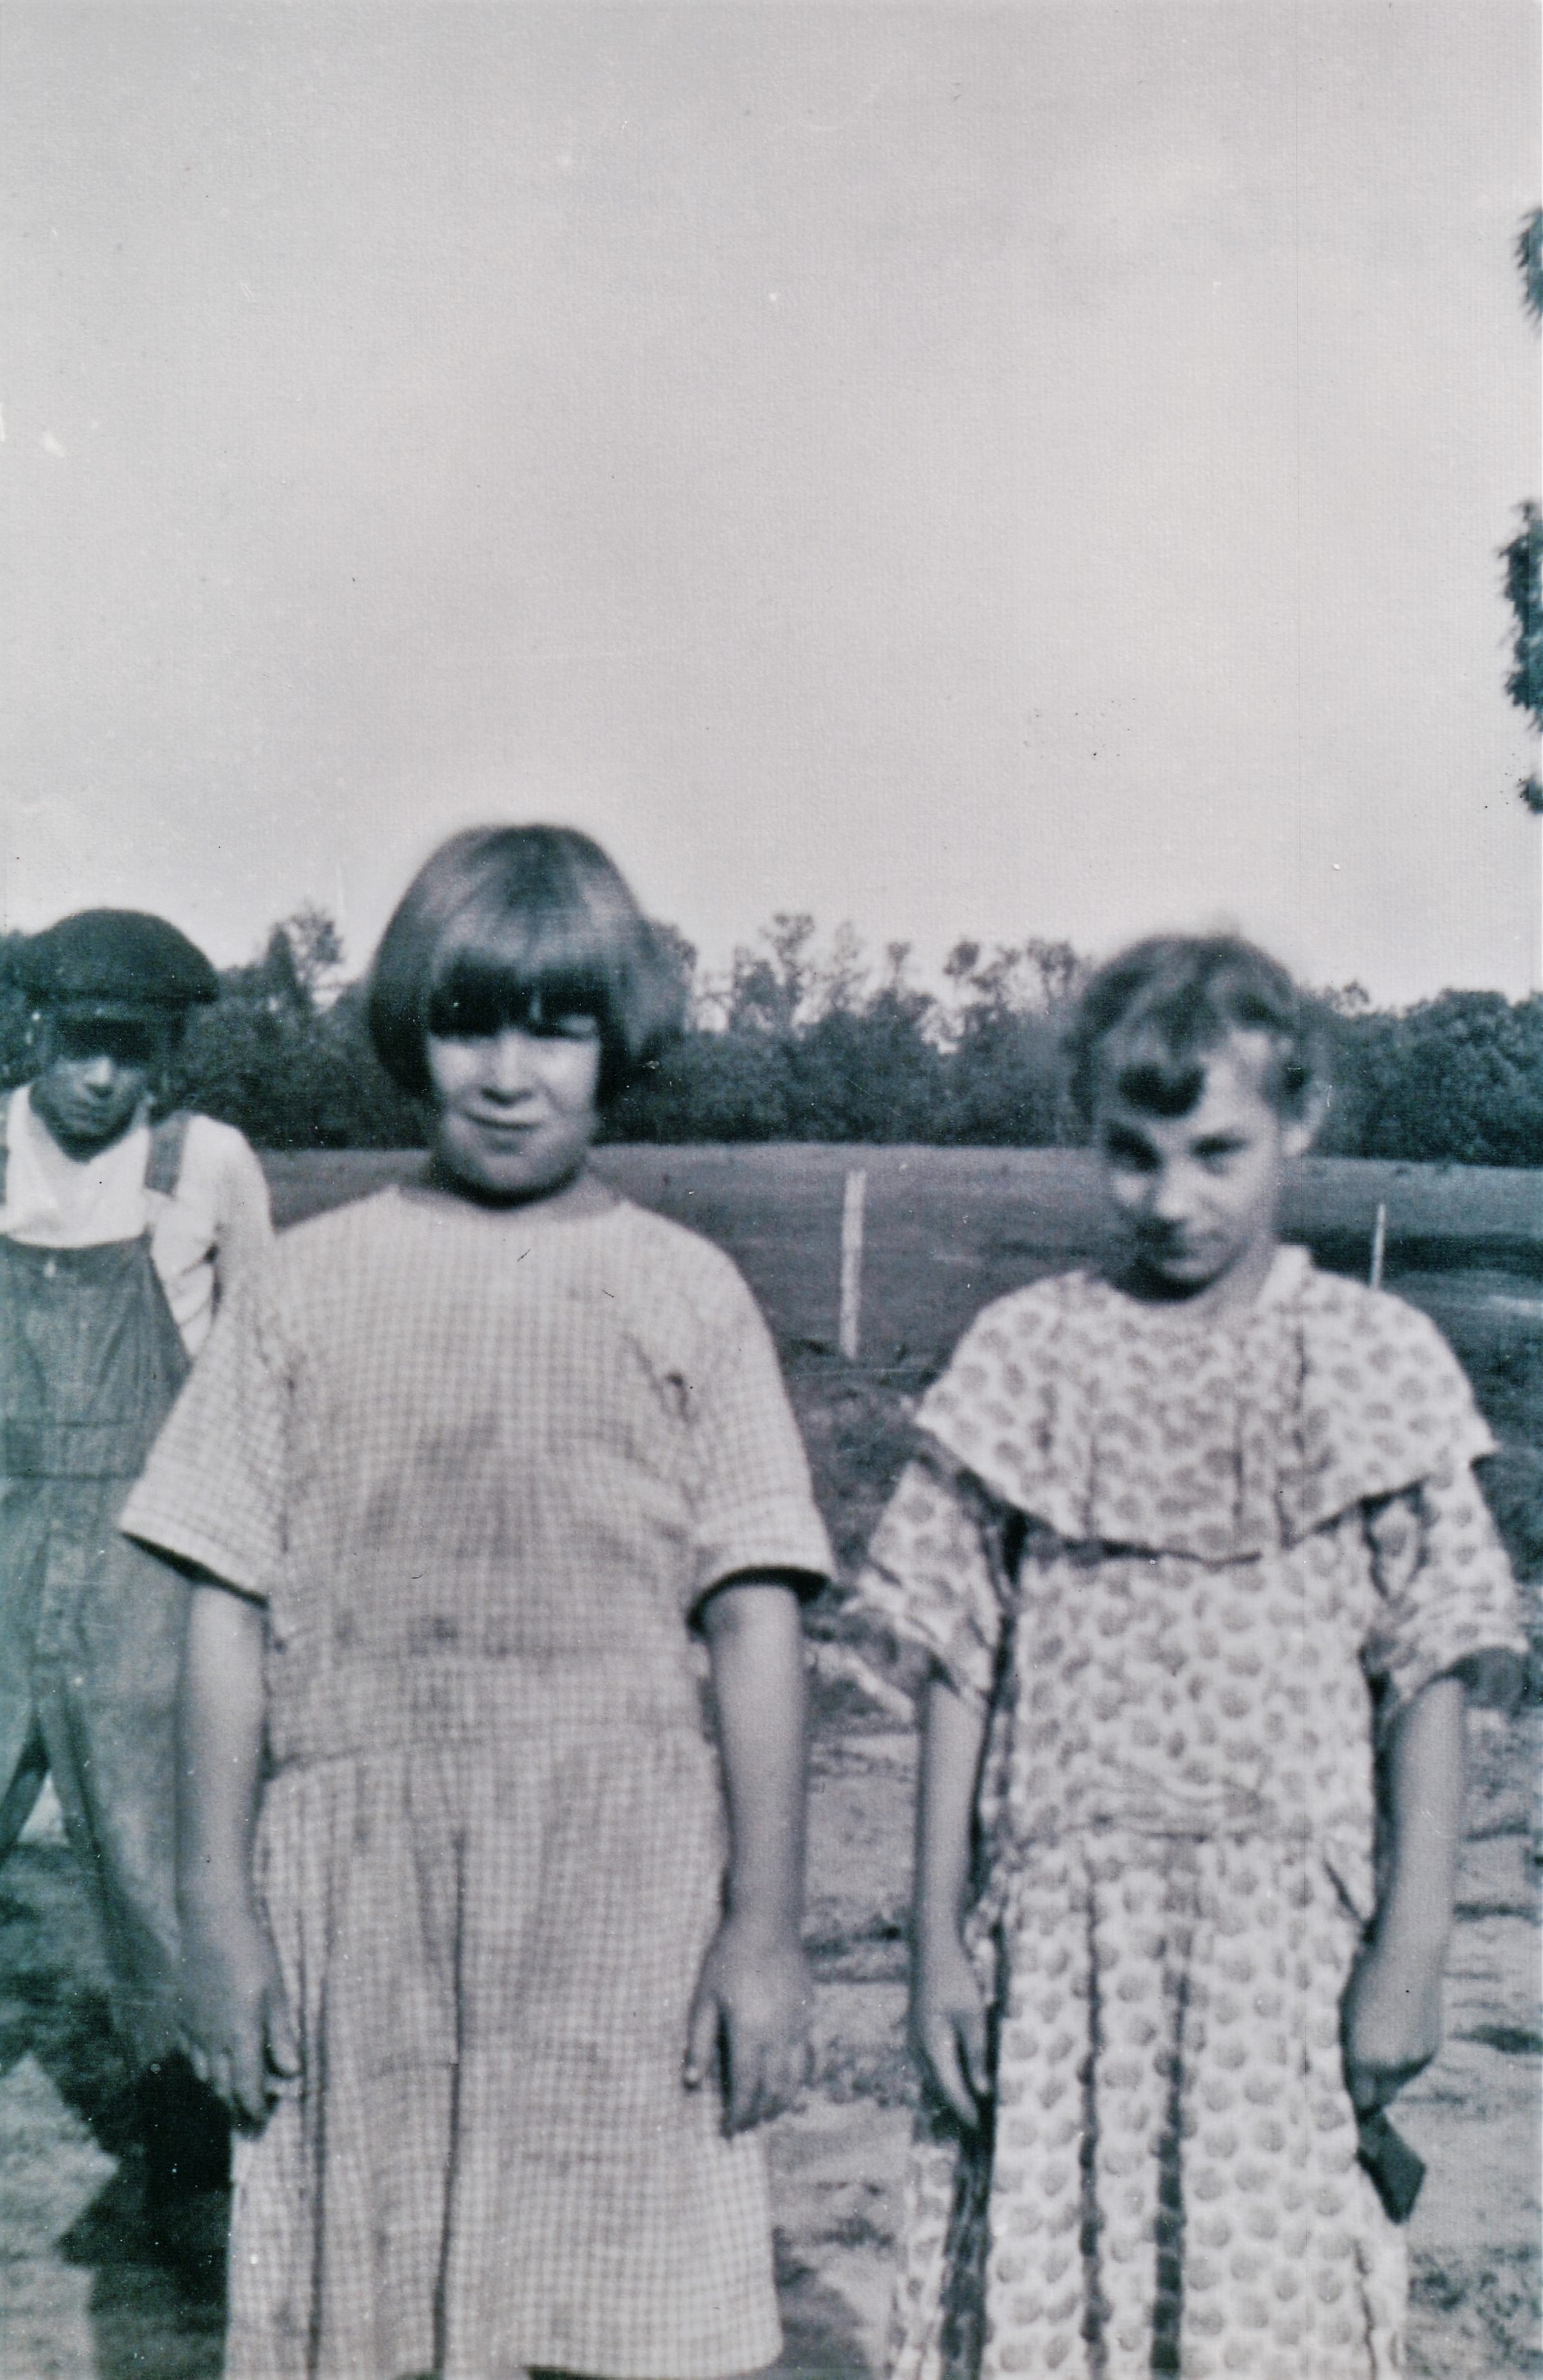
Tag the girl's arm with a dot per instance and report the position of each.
(236, 2026)
(752, 1999)
(1392, 2016)
(948, 2013)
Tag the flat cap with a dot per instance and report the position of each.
(114, 958)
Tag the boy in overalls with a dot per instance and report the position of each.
(117, 1235)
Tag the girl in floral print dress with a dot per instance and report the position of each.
(1196, 1551)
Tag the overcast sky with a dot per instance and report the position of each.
(972, 471)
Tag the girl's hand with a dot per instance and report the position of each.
(751, 2010)
(236, 2030)
(1390, 2022)
(947, 2025)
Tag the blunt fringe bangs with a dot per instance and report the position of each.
(1149, 1019)
(519, 926)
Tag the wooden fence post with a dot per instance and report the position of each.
(850, 1332)
(1379, 1245)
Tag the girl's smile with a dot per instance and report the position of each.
(516, 1109)
(1198, 1195)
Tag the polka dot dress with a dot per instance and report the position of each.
(1191, 1567)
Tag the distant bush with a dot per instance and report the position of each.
(711, 1087)
(1458, 1078)
(801, 1043)
(15, 1039)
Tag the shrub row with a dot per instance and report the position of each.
(797, 1045)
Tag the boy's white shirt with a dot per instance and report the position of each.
(202, 1236)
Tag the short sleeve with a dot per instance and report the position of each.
(243, 1214)
(1447, 1600)
(935, 1571)
(753, 1506)
(213, 1489)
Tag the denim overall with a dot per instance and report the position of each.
(91, 1625)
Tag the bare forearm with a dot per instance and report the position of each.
(755, 1639)
(953, 1731)
(749, 2013)
(1426, 1778)
(1392, 2014)
(948, 2012)
(220, 1722)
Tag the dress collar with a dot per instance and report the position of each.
(1116, 1423)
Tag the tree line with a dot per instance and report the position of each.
(804, 1040)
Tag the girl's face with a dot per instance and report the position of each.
(516, 1107)
(1198, 1195)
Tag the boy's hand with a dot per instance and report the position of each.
(1390, 2023)
(751, 2009)
(236, 2030)
(947, 2025)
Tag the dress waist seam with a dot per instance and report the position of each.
(1254, 1829)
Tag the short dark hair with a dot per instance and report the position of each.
(518, 925)
(1149, 1018)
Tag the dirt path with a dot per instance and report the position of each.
(82, 2299)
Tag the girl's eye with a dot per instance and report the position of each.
(1126, 1154)
(463, 1021)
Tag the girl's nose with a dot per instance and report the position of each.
(1171, 1195)
(509, 1067)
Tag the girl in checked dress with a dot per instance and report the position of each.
(1197, 1550)
(464, 1473)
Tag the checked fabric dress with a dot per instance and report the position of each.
(480, 1471)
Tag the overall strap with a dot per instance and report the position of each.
(5, 1143)
(168, 1137)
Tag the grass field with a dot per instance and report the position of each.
(946, 1230)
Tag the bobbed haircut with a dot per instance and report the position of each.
(520, 925)
(1149, 1019)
